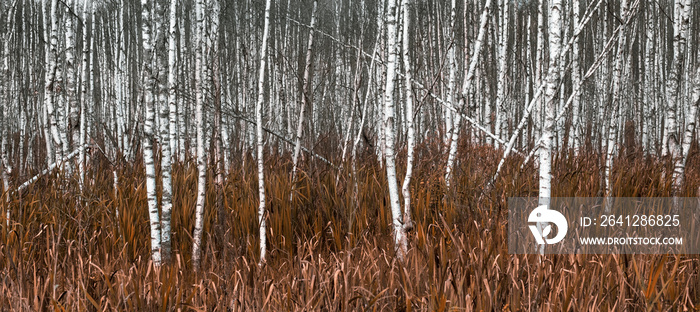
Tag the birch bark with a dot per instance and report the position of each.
(148, 158)
(576, 123)
(411, 131)
(84, 95)
(466, 86)
(51, 83)
(614, 120)
(545, 171)
(673, 140)
(167, 135)
(502, 68)
(199, 116)
(259, 134)
(400, 242)
(305, 94)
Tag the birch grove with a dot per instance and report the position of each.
(231, 92)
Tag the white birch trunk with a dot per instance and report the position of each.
(411, 131)
(466, 86)
(148, 158)
(259, 134)
(73, 108)
(201, 157)
(305, 96)
(4, 172)
(672, 136)
(450, 123)
(575, 81)
(502, 69)
(400, 242)
(545, 174)
(84, 95)
(614, 120)
(51, 83)
(539, 67)
(167, 134)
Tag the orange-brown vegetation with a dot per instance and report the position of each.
(89, 251)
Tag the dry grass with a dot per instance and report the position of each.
(68, 251)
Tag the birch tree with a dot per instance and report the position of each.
(411, 135)
(502, 68)
(72, 119)
(201, 157)
(400, 241)
(545, 186)
(167, 135)
(615, 118)
(147, 141)
(305, 93)
(51, 83)
(672, 139)
(576, 122)
(466, 86)
(83, 95)
(259, 134)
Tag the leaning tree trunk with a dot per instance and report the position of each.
(305, 96)
(466, 86)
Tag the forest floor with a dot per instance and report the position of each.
(70, 250)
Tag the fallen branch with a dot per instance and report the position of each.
(561, 113)
(49, 169)
(440, 101)
(283, 138)
(597, 63)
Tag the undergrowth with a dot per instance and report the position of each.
(72, 250)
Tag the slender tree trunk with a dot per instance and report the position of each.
(673, 140)
(218, 126)
(539, 68)
(466, 86)
(84, 95)
(649, 95)
(148, 158)
(614, 120)
(451, 92)
(167, 134)
(305, 96)
(576, 123)
(502, 69)
(411, 135)
(259, 134)
(389, 113)
(52, 83)
(201, 157)
(73, 119)
(545, 189)
(4, 170)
